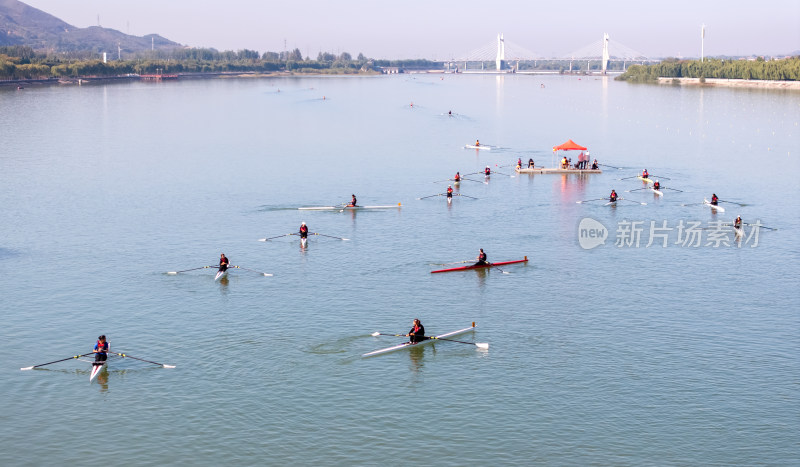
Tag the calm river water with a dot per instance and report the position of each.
(629, 353)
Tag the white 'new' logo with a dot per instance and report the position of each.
(591, 233)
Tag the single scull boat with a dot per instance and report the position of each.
(341, 208)
(480, 266)
(646, 180)
(713, 206)
(97, 368)
(220, 275)
(658, 192)
(472, 146)
(411, 344)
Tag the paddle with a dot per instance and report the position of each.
(480, 345)
(759, 225)
(637, 189)
(730, 202)
(693, 204)
(459, 194)
(673, 189)
(431, 196)
(501, 173)
(495, 267)
(278, 236)
(627, 178)
(631, 201)
(658, 176)
(331, 236)
(172, 273)
(606, 165)
(476, 181)
(588, 200)
(448, 264)
(251, 270)
(56, 361)
(143, 360)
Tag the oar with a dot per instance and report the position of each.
(501, 173)
(251, 270)
(50, 363)
(628, 191)
(606, 165)
(693, 204)
(278, 236)
(474, 173)
(331, 236)
(457, 262)
(459, 194)
(495, 267)
(172, 273)
(631, 201)
(587, 200)
(476, 181)
(480, 345)
(431, 196)
(759, 225)
(730, 202)
(627, 178)
(658, 176)
(673, 189)
(143, 360)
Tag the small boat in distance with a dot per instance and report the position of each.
(472, 146)
(342, 207)
(481, 266)
(405, 345)
(714, 207)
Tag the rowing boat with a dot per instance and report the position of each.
(658, 192)
(97, 368)
(220, 275)
(646, 180)
(481, 266)
(349, 208)
(472, 146)
(713, 206)
(405, 345)
(546, 170)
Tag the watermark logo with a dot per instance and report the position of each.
(591, 233)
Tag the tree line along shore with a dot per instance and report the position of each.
(695, 71)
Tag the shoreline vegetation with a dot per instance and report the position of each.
(759, 73)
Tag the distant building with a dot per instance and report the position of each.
(390, 70)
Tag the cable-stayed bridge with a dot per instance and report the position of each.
(510, 57)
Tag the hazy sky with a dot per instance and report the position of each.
(442, 29)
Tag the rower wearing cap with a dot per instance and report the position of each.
(645, 174)
(417, 332)
(613, 196)
(223, 262)
(449, 192)
(487, 171)
(353, 202)
(737, 224)
(100, 350)
(303, 231)
(714, 199)
(656, 185)
(481, 258)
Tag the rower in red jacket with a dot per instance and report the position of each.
(457, 178)
(449, 192)
(353, 202)
(656, 185)
(645, 174)
(714, 199)
(613, 196)
(481, 258)
(487, 171)
(417, 332)
(303, 230)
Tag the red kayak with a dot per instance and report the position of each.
(487, 265)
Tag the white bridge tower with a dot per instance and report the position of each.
(500, 62)
(605, 52)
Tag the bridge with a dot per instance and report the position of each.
(507, 57)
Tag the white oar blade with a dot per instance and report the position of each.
(266, 275)
(172, 273)
(374, 334)
(262, 239)
(482, 345)
(168, 366)
(27, 368)
(346, 239)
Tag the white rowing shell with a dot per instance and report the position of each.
(409, 344)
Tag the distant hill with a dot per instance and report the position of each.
(21, 24)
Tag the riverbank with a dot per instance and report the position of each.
(733, 83)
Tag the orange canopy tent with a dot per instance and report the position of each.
(569, 146)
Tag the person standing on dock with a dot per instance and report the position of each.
(223, 262)
(303, 231)
(417, 332)
(481, 258)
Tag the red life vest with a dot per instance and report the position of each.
(102, 347)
